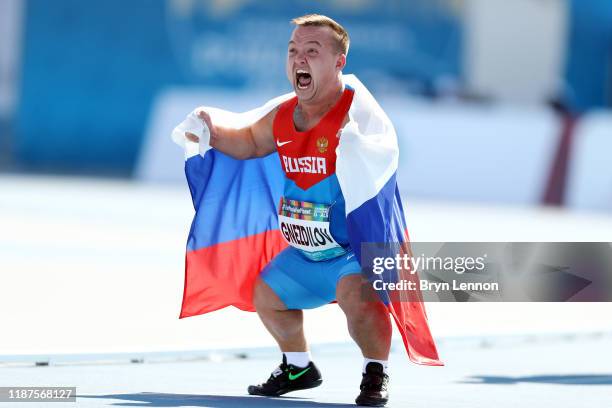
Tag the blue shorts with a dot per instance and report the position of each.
(304, 284)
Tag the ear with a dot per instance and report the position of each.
(341, 62)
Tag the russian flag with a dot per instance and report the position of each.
(234, 233)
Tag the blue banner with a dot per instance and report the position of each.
(91, 70)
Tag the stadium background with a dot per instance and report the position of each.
(503, 112)
(485, 94)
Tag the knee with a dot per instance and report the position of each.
(358, 300)
(363, 312)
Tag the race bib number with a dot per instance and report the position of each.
(306, 226)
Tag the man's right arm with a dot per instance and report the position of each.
(256, 140)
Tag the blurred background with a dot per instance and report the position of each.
(494, 101)
(503, 111)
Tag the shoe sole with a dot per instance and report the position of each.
(286, 390)
(370, 402)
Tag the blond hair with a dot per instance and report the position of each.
(319, 20)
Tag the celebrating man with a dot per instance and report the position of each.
(338, 154)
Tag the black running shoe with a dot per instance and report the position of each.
(373, 387)
(287, 378)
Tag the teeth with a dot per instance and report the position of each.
(301, 71)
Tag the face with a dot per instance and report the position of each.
(313, 61)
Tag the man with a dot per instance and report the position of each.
(320, 265)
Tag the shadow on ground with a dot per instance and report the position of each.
(577, 379)
(153, 399)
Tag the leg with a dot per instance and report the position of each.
(286, 326)
(370, 326)
(368, 322)
(279, 300)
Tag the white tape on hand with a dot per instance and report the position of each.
(192, 124)
(204, 138)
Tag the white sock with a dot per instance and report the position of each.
(298, 358)
(384, 363)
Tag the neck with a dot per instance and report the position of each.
(320, 106)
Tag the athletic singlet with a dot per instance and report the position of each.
(311, 212)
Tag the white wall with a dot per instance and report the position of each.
(461, 152)
(589, 184)
(447, 151)
(514, 50)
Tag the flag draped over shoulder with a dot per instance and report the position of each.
(366, 167)
(234, 233)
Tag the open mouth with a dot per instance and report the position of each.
(302, 79)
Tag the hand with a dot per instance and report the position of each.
(204, 117)
(191, 137)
